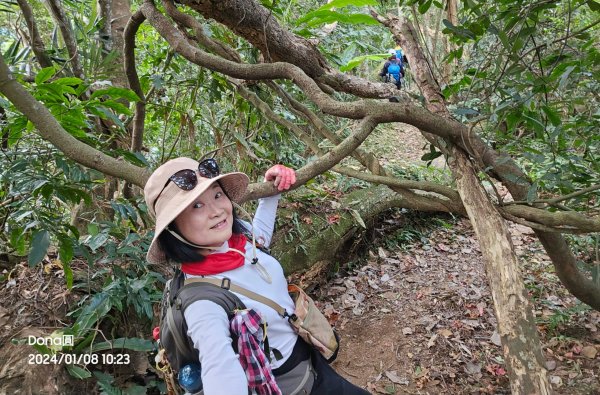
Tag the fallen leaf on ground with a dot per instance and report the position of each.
(556, 380)
(589, 352)
(445, 332)
(431, 341)
(333, 219)
(496, 338)
(394, 378)
(407, 331)
(473, 368)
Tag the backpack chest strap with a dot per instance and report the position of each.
(227, 284)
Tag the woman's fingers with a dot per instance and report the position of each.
(283, 177)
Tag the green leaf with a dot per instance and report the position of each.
(424, 6)
(44, 75)
(118, 107)
(116, 93)
(68, 274)
(39, 247)
(98, 307)
(93, 229)
(565, 76)
(69, 81)
(97, 241)
(431, 156)
(315, 18)
(594, 5)
(78, 372)
(65, 249)
(458, 31)
(135, 344)
(465, 111)
(552, 115)
(355, 62)
(346, 3)
(532, 193)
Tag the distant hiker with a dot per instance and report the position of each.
(392, 70)
(230, 350)
(401, 56)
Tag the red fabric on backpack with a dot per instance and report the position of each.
(221, 261)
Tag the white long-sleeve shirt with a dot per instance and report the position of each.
(208, 324)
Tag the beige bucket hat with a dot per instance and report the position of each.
(165, 200)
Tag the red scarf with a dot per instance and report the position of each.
(221, 261)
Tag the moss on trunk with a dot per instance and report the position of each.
(299, 245)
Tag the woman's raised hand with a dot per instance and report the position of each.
(282, 176)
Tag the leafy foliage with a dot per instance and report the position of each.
(529, 82)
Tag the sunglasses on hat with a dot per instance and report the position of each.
(186, 179)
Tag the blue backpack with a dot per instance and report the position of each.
(394, 69)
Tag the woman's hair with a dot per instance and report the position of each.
(177, 251)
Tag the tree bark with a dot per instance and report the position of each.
(516, 324)
(250, 20)
(65, 29)
(37, 45)
(137, 133)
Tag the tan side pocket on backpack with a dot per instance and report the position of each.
(310, 324)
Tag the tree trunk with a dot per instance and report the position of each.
(452, 13)
(520, 341)
(516, 325)
(37, 45)
(62, 21)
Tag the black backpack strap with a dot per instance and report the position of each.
(193, 292)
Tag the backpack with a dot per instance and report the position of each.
(394, 69)
(177, 297)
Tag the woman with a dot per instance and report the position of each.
(197, 227)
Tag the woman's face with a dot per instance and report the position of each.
(209, 219)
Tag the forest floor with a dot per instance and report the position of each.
(416, 315)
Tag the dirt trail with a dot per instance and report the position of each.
(418, 318)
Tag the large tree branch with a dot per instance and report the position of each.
(383, 111)
(188, 21)
(51, 130)
(255, 23)
(321, 165)
(37, 44)
(570, 222)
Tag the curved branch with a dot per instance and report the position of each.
(382, 111)
(426, 186)
(37, 45)
(321, 165)
(270, 114)
(137, 134)
(190, 22)
(49, 129)
(253, 22)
